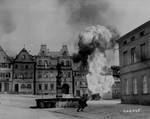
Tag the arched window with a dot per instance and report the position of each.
(135, 86)
(145, 85)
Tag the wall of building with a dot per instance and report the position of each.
(140, 97)
(134, 74)
(24, 77)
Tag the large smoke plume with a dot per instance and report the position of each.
(94, 38)
(95, 41)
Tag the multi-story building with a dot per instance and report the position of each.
(134, 53)
(67, 80)
(5, 72)
(46, 71)
(41, 75)
(24, 73)
(116, 85)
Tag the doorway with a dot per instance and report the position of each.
(16, 88)
(65, 89)
(6, 87)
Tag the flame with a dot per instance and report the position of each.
(99, 83)
(100, 37)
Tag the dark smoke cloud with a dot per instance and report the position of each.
(87, 49)
(88, 12)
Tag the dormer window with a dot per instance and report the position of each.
(23, 57)
(142, 33)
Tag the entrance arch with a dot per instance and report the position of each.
(65, 89)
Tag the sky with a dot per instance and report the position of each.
(30, 23)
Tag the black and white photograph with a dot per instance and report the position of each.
(74, 59)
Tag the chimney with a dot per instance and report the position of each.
(43, 50)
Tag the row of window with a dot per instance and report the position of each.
(25, 75)
(40, 75)
(46, 86)
(46, 63)
(5, 75)
(49, 75)
(78, 74)
(142, 33)
(5, 65)
(133, 88)
(65, 63)
(26, 86)
(46, 75)
(23, 66)
(67, 74)
(134, 55)
(81, 83)
(116, 92)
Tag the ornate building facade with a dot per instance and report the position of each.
(61, 80)
(48, 73)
